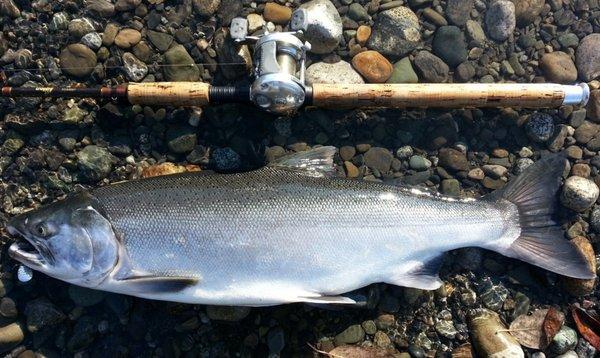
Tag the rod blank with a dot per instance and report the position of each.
(531, 95)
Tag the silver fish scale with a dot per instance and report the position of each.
(283, 227)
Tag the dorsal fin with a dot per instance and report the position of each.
(316, 162)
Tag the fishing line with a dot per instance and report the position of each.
(38, 69)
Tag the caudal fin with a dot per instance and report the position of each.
(541, 241)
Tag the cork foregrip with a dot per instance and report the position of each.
(176, 94)
(438, 95)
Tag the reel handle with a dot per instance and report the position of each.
(449, 95)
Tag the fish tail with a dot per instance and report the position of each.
(541, 241)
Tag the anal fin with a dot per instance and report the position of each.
(354, 300)
(423, 275)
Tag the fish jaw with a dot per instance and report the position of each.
(26, 252)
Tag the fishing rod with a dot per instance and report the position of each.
(279, 85)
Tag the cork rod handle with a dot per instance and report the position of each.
(177, 94)
(531, 95)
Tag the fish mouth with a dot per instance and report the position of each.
(26, 252)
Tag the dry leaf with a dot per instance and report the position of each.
(587, 325)
(552, 323)
(527, 329)
(168, 168)
(349, 351)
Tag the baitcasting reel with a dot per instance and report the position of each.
(279, 64)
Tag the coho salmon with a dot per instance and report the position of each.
(288, 232)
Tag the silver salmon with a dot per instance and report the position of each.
(288, 232)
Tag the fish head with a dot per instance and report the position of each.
(68, 239)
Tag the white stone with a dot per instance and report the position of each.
(579, 193)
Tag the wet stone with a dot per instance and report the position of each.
(419, 163)
(135, 69)
(430, 67)
(350, 335)
(8, 307)
(160, 40)
(457, 11)
(453, 159)
(42, 313)
(181, 139)
(78, 60)
(93, 40)
(403, 72)
(206, 8)
(95, 163)
(369, 327)
(500, 19)
(10, 336)
(450, 187)
(578, 193)
(493, 296)
(276, 13)
(379, 159)
(558, 67)
(539, 127)
(446, 329)
(181, 67)
(324, 30)
(340, 72)
(449, 44)
(588, 57)
(83, 335)
(347, 152)
(396, 32)
(565, 340)
(373, 66)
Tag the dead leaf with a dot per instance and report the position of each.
(348, 351)
(552, 322)
(587, 325)
(527, 329)
(167, 168)
(464, 351)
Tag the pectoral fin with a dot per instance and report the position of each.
(158, 284)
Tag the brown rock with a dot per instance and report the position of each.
(362, 34)
(373, 66)
(581, 170)
(558, 67)
(276, 13)
(593, 107)
(575, 286)
(351, 170)
(110, 32)
(128, 38)
(10, 336)
(453, 159)
(476, 174)
(168, 168)
(78, 60)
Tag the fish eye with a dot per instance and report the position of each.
(42, 230)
